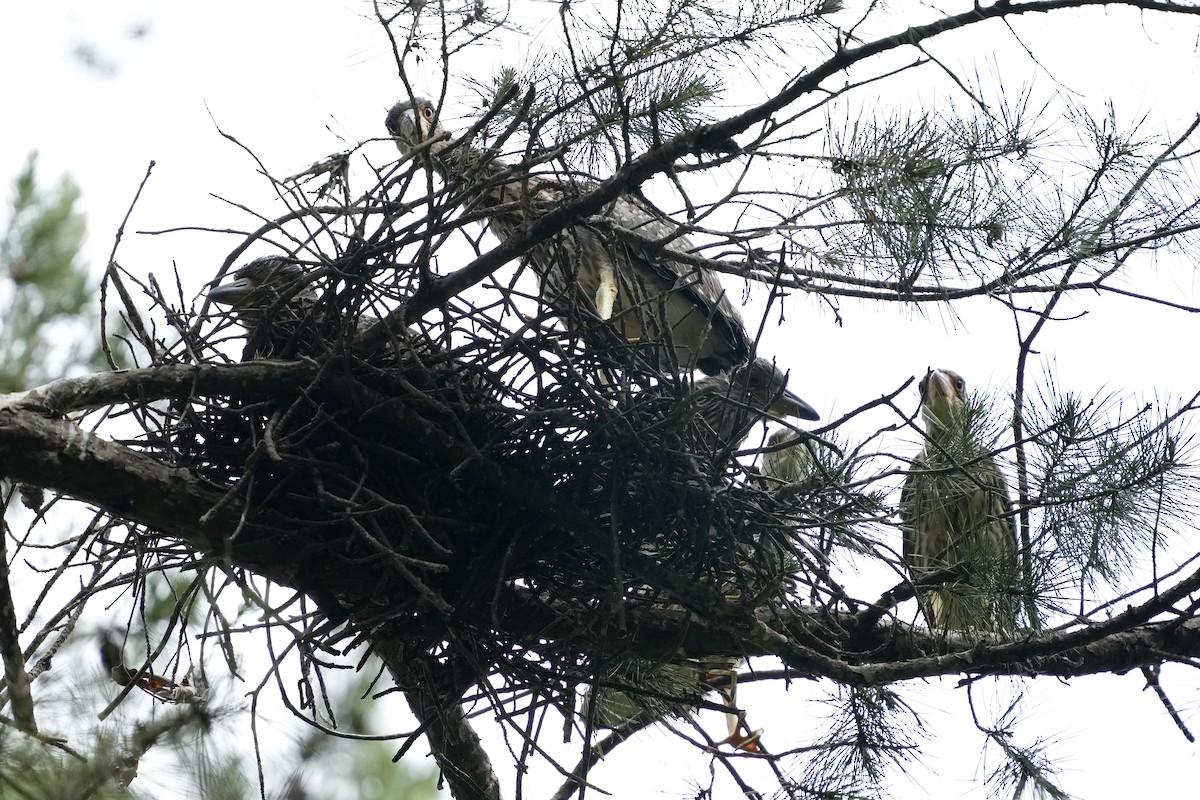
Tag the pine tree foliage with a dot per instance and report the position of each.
(1109, 493)
(868, 731)
(47, 296)
(1024, 770)
(499, 502)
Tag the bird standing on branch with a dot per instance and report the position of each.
(644, 692)
(956, 518)
(622, 271)
(728, 405)
(640, 693)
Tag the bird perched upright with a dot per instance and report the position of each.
(677, 308)
(728, 405)
(955, 514)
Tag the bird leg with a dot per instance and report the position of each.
(606, 295)
(740, 737)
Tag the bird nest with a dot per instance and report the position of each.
(438, 476)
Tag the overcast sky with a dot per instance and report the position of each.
(100, 90)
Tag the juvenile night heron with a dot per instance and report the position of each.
(956, 517)
(643, 692)
(585, 270)
(787, 460)
(728, 405)
(274, 299)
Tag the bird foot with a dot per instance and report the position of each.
(740, 736)
(746, 741)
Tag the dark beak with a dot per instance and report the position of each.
(232, 293)
(789, 405)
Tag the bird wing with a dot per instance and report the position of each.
(962, 518)
(999, 504)
(694, 283)
(514, 201)
(991, 508)
(908, 511)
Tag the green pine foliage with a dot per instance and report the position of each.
(1112, 484)
(49, 303)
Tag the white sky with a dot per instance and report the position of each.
(298, 80)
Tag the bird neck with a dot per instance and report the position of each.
(951, 429)
(490, 182)
(466, 162)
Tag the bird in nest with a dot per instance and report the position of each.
(274, 299)
(956, 518)
(630, 267)
(787, 460)
(728, 405)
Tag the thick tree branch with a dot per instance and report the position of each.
(15, 677)
(437, 706)
(892, 651)
(58, 454)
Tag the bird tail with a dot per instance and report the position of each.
(961, 607)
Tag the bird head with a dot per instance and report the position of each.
(261, 283)
(414, 121)
(787, 460)
(764, 386)
(943, 393)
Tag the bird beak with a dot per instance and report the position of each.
(232, 293)
(406, 123)
(789, 405)
(403, 128)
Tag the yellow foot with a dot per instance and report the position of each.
(740, 736)
(743, 739)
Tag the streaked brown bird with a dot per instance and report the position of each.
(588, 272)
(955, 514)
(644, 692)
(728, 405)
(784, 463)
(274, 299)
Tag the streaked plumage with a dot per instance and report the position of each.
(645, 692)
(955, 514)
(273, 298)
(655, 691)
(273, 302)
(728, 405)
(646, 297)
(787, 459)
